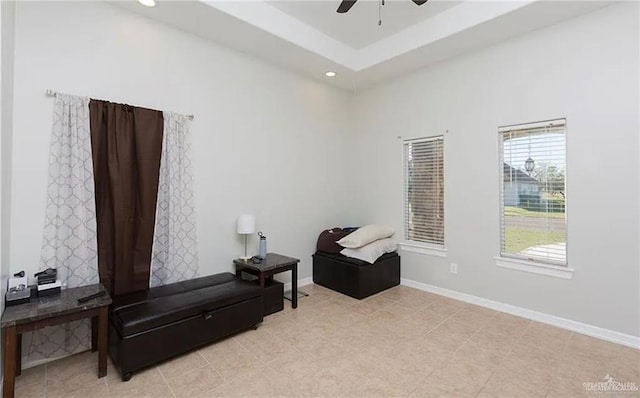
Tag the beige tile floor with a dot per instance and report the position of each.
(402, 342)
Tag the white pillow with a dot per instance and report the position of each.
(365, 235)
(371, 252)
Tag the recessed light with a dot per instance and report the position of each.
(148, 3)
(330, 74)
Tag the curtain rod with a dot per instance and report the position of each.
(53, 93)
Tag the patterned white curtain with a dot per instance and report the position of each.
(175, 250)
(70, 240)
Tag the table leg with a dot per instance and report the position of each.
(102, 341)
(10, 351)
(294, 286)
(94, 333)
(19, 354)
(262, 279)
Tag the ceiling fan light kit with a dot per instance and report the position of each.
(345, 5)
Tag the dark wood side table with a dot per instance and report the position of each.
(49, 311)
(272, 264)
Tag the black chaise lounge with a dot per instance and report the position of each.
(148, 327)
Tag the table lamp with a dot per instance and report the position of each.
(246, 226)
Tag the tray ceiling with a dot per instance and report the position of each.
(359, 28)
(310, 38)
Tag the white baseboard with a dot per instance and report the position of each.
(301, 282)
(583, 328)
(305, 281)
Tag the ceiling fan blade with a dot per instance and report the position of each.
(419, 2)
(346, 6)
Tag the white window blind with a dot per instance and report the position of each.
(424, 190)
(533, 194)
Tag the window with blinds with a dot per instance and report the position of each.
(533, 194)
(424, 190)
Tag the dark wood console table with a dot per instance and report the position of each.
(272, 264)
(49, 311)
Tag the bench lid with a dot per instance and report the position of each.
(166, 304)
(350, 260)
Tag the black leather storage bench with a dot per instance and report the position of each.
(354, 277)
(151, 326)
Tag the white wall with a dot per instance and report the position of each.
(584, 69)
(265, 141)
(276, 144)
(7, 29)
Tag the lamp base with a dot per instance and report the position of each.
(246, 259)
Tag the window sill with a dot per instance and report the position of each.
(534, 268)
(423, 249)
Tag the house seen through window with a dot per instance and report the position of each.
(424, 191)
(533, 194)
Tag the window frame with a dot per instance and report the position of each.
(540, 266)
(430, 248)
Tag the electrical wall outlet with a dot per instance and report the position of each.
(454, 268)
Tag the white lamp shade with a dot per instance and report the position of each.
(246, 224)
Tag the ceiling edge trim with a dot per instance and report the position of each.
(268, 18)
(452, 21)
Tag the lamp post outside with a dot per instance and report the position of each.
(529, 165)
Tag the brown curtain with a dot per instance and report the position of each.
(126, 142)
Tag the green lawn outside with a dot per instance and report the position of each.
(516, 211)
(518, 239)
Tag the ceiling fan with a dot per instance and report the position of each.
(347, 4)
